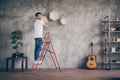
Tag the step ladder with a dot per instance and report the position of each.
(47, 47)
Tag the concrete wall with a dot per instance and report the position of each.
(71, 41)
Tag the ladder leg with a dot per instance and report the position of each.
(55, 57)
(53, 60)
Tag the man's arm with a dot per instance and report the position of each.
(45, 24)
(45, 20)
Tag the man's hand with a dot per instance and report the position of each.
(45, 20)
(45, 24)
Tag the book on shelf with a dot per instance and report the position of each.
(116, 61)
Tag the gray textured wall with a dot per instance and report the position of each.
(71, 41)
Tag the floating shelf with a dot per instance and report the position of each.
(114, 42)
(112, 31)
(112, 62)
(112, 21)
(113, 52)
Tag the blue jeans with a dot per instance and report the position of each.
(38, 45)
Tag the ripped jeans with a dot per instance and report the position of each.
(38, 45)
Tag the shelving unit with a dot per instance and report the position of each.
(111, 42)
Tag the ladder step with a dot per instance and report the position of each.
(37, 63)
(41, 55)
(44, 49)
(46, 42)
(50, 51)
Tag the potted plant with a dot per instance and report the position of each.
(16, 40)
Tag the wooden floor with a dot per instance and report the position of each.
(66, 74)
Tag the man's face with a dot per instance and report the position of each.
(39, 16)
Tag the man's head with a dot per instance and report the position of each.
(38, 15)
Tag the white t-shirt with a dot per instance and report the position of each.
(38, 26)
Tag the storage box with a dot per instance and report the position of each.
(113, 49)
(118, 39)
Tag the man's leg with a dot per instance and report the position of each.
(38, 45)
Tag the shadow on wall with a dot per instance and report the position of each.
(84, 61)
(83, 64)
(101, 43)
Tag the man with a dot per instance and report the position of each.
(38, 26)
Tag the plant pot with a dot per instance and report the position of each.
(17, 55)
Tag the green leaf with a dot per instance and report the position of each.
(13, 41)
(15, 47)
(21, 44)
(13, 37)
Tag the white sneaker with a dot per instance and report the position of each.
(37, 62)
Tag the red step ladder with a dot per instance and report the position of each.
(47, 47)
